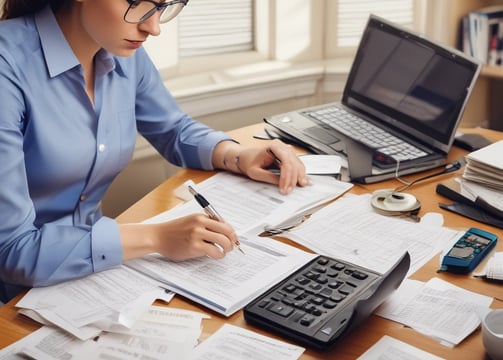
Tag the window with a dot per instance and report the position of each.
(210, 39)
(351, 16)
(216, 27)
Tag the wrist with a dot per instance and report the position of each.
(138, 239)
(231, 161)
(227, 156)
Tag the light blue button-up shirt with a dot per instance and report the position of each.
(59, 152)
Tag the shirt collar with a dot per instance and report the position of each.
(59, 56)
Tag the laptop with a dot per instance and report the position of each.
(400, 109)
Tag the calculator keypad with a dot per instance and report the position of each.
(324, 300)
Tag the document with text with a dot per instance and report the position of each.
(227, 284)
(250, 206)
(350, 230)
(436, 308)
(231, 342)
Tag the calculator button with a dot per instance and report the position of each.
(281, 310)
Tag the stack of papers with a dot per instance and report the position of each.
(115, 299)
(112, 300)
(160, 333)
(228, 284)
(485, 166)
(251, 206)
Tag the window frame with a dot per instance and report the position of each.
(278, 68)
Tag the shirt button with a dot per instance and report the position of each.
(101, 147)
(82, 197)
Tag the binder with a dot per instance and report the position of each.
(477, 209)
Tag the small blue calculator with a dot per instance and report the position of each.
(468, 251)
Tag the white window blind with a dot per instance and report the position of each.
(352, 16)
(216, 27)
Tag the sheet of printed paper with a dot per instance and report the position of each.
(388, 348)
(349, 229)
(436, 308)
(231, 342)
(49, 343)
(161, 333)
(86, 306)
(250, 205)
(227, 284)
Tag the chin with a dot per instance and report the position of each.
(124, 52)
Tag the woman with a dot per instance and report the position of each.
(76, 87)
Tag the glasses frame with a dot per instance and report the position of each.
(157, 6)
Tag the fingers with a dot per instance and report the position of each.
(218, 239)
(292, 170)
(195, 236)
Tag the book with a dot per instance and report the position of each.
(481, 35)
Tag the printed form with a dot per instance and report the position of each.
(349, 229)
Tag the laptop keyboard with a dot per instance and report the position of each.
(388, 148)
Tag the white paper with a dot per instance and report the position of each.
(48, 343)
(472, 190)
(162, 333)
(388, 348)
(321, 164)
(494, 268)
(350, 230)
(227, 284)
(435, 308)
(84, 307)
(232, 343)
(250, 205)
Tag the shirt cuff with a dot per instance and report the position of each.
(208, 146)
(106, 246)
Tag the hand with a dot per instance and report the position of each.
(180, 239)
(255, 163)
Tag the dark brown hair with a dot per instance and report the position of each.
(15, 8)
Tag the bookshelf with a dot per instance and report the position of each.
(486, 103)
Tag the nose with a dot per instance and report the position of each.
(151, 25)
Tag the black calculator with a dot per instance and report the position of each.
(324, 300)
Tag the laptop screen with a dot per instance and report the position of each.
(410, 82)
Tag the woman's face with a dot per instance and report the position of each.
(103, 21)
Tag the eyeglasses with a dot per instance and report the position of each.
(140, 10)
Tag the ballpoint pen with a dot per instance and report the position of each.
(277, 160)
(209, 210)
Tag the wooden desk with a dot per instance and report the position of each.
(14, 326)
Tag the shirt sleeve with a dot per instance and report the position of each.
(175, 135)
(34, 251)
